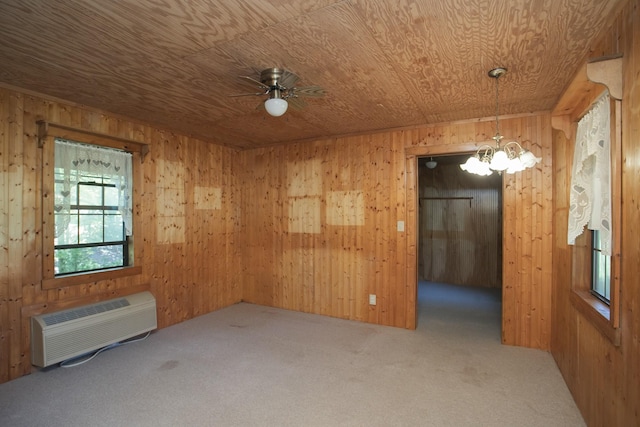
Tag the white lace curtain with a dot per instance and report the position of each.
(74, 161)
(590, 195)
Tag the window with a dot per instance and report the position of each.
(92, 207)
(95, 238)
(89, 182)
(600, 270)
(596, 182)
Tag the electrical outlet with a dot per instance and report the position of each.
(400, 225)
(372, 299)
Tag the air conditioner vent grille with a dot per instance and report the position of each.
(69, 333)
(64, 316)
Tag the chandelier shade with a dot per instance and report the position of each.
(509, 158)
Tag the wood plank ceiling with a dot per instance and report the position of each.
(384, 64)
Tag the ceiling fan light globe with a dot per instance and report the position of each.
(276, 106)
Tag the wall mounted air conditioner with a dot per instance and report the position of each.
(62, 335)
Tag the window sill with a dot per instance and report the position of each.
(597, 313)
(83, 278)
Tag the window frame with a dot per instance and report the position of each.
(47, 133)
(604, 317)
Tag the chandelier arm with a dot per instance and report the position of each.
(485, 152)
(510, 151)
(485, 147)
(514, 143)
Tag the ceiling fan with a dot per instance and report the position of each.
(280, 87)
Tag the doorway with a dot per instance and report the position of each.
(459, 242)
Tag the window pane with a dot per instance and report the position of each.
(91, 226)
(110, 196)
(113, 228)
(596, 240)
(70, 235)
(601, 269)
(90, 195)
(605, 275)
(86, 259)
(598, 276)
(58, 188)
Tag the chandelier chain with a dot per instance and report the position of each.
(497, 108)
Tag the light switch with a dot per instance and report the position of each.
(400, 225)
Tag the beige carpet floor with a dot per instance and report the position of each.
(249, 365)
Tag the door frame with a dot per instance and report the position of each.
(411, 216)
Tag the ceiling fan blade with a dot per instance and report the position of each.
(252, 80)
(308, 91)
(248, 94)
(288, 79)
(296, 103)
(280, 83)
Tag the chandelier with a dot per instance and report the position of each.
(510, 157)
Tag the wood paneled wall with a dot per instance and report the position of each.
(604, 379)
(311, 226)
(185, 243)
(320, 225)
(526, 223)
(460, 226)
